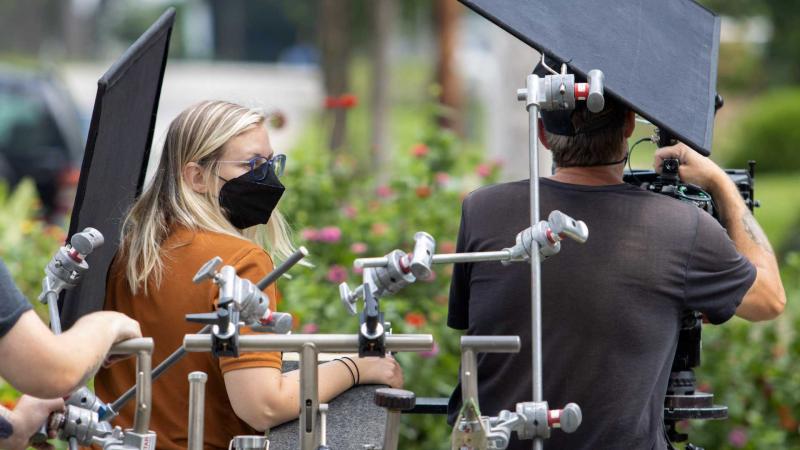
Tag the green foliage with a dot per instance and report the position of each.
(26, 243)
(741, 68)
(341, 215)
(768, 133)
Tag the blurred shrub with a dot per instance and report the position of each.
(26, 243)
(769, 133)
(740, 67)
(340, 214)
(754, 369)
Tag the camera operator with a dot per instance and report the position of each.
(611, 307)
(41, 364)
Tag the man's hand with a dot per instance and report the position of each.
(695, 168)
(766, 298)
(28, 416)
(124, 327)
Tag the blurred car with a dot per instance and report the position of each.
(41, 137)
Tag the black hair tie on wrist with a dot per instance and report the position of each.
(358, 373)
(348, 369)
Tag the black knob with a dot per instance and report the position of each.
(397, 399)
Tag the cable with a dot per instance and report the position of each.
(630, 156)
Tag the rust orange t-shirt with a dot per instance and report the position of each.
(161, 314)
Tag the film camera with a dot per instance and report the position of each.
(683, 401)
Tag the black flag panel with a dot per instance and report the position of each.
(658, 56)
(115, 161)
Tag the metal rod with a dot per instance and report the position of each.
(144, 391)
(309, 397)
(532, 85)
(284, 267)
(324, 342)
(469, 375)
(132, 346)
(52, 307)
(176, 356)
(197, 398)
(470, 346)
(491, 344)
(442, 258)
(391, 434)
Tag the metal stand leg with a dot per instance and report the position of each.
(197, 398)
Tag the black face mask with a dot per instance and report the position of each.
(247, 202)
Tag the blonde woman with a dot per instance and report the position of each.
(214, 194)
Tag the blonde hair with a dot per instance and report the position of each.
(197, 135)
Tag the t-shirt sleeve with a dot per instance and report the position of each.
(458, 306)
(12, 303)
(717, 276)
(254, 265)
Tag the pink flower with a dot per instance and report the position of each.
(738, 437)
(420, 150)
(310, 328)
(330, 234)
(442, 178)
(349, 211)
(431, 278)
(309, 234)
(430, 353)
(358, 270)
(383, 191)
(358, 248)
(483, 170)
(336, 274)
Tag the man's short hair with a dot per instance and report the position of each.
(597, 138)
(580, 137)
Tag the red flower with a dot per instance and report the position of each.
(423, 192)
(347, 101)
(415, 319)
(420, 150)
(344, 101)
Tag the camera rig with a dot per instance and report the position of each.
(683, 401)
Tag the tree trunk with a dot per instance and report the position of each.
(446, 14)
(382, 14)
(230, 20)
(334, 29)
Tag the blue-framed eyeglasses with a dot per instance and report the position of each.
(261, 166)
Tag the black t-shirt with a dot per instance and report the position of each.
(12, 302)
(610, 307)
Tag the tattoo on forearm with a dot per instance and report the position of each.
(755, 232)
(6, 428)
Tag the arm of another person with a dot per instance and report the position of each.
(39, 363)
(17, 426)
(264, 397)
(766, 297)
